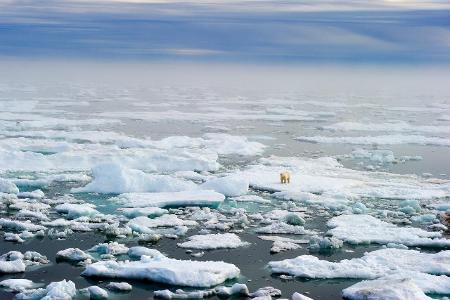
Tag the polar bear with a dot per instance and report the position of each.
(285, 177)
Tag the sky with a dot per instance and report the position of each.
(248, 31)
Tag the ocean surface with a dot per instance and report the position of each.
(50, 128)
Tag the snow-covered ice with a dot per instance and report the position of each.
(166, 270)
(366, 229)
(213, 241)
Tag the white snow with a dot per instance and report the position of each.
(171, 199)
(166, 270)
(213, 241)
(365, 229)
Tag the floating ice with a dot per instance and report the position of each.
(166, 270)
(250, 198)
(281, 227)
(139, 251)
(20, 226)
(119, 286)
(8, 187)
(326, 182)
(145, 225)
(172, 199)
(409, 285)
(365, 229)
(397, 126)
(112, 248)
(298, 296)
(116, 179)
(74, 211)
(18, 285)
(231, 185)
(97, 293)
(55, 290)
(143, 211)
(372, 265)
(324, 244)
(73, 255)
(16, 262)
(213, 241)
(378, 140)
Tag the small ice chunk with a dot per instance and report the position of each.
(279, 227)
(139, 251)
(171, 199)
(213, 241)
(181, 294)
(74, 211)
(113, 248)
(97, 293)
(56, 290)
(20, 226)
(298, 296)
(18, 285)
(8, 187)
(380, 289)
(325, 244)
(119, 286)
(73, 255)
(236, 289)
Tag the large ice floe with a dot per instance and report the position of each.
(166, 270)
(324, 181)
(372, 265)
(365, 229)
(395, 273)
(116, 179)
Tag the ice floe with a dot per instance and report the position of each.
(231, 185)
(394, 139)
(55, 290)
(213, 241)
(116, 179)
(166, 270)
(18, 285)
(366, 229)
(171, 199)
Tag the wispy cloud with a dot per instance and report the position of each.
(250, 30)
